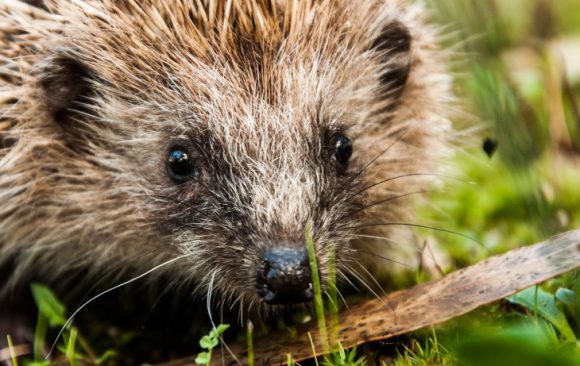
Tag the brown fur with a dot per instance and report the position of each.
(93, 94)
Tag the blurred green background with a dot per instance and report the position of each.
(517, 70)
(517, 65)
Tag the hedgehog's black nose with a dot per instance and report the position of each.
(283, 276)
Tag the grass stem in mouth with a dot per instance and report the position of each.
(333, 298)
(249, 335)
(318, 303)
(11, 350)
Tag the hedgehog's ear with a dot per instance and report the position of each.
(393, 49)
(66, 87)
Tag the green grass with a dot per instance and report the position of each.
(525, 193)
(72, 347)
(429, 352)
(528, 190)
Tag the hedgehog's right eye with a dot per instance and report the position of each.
(180, 164)
(343, 149)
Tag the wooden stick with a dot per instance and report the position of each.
(426, 304)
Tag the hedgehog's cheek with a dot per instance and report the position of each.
(283, 276)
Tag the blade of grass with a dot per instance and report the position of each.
(333, 297)
(70, 346)
(318, 304)
(86, 347)
(313, 349)
(11, 350)
(289, 361)
(249, 335)
(40, 336)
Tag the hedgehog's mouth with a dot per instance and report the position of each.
(283, 277)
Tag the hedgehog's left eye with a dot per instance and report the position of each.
(342, 149)
(180, 164)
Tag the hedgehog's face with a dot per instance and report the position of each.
(241, 191)
(228, 152)
(248, 166)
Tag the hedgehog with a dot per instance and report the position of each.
(203, 138)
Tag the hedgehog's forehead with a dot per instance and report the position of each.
(290, 104)
(262, 81)
(264, 131)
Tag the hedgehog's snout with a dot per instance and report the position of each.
(283, 276)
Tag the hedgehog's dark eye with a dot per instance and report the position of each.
(180, 164)
(342, 149)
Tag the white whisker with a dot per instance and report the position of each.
(391, 241)
(81, 307)
(208, 299)
(208, 306)
(373, 278)
(360, 279)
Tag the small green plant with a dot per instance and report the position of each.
(52, 315)
(208, 343)
(426, 354)
(546, 305)
(344, 357)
